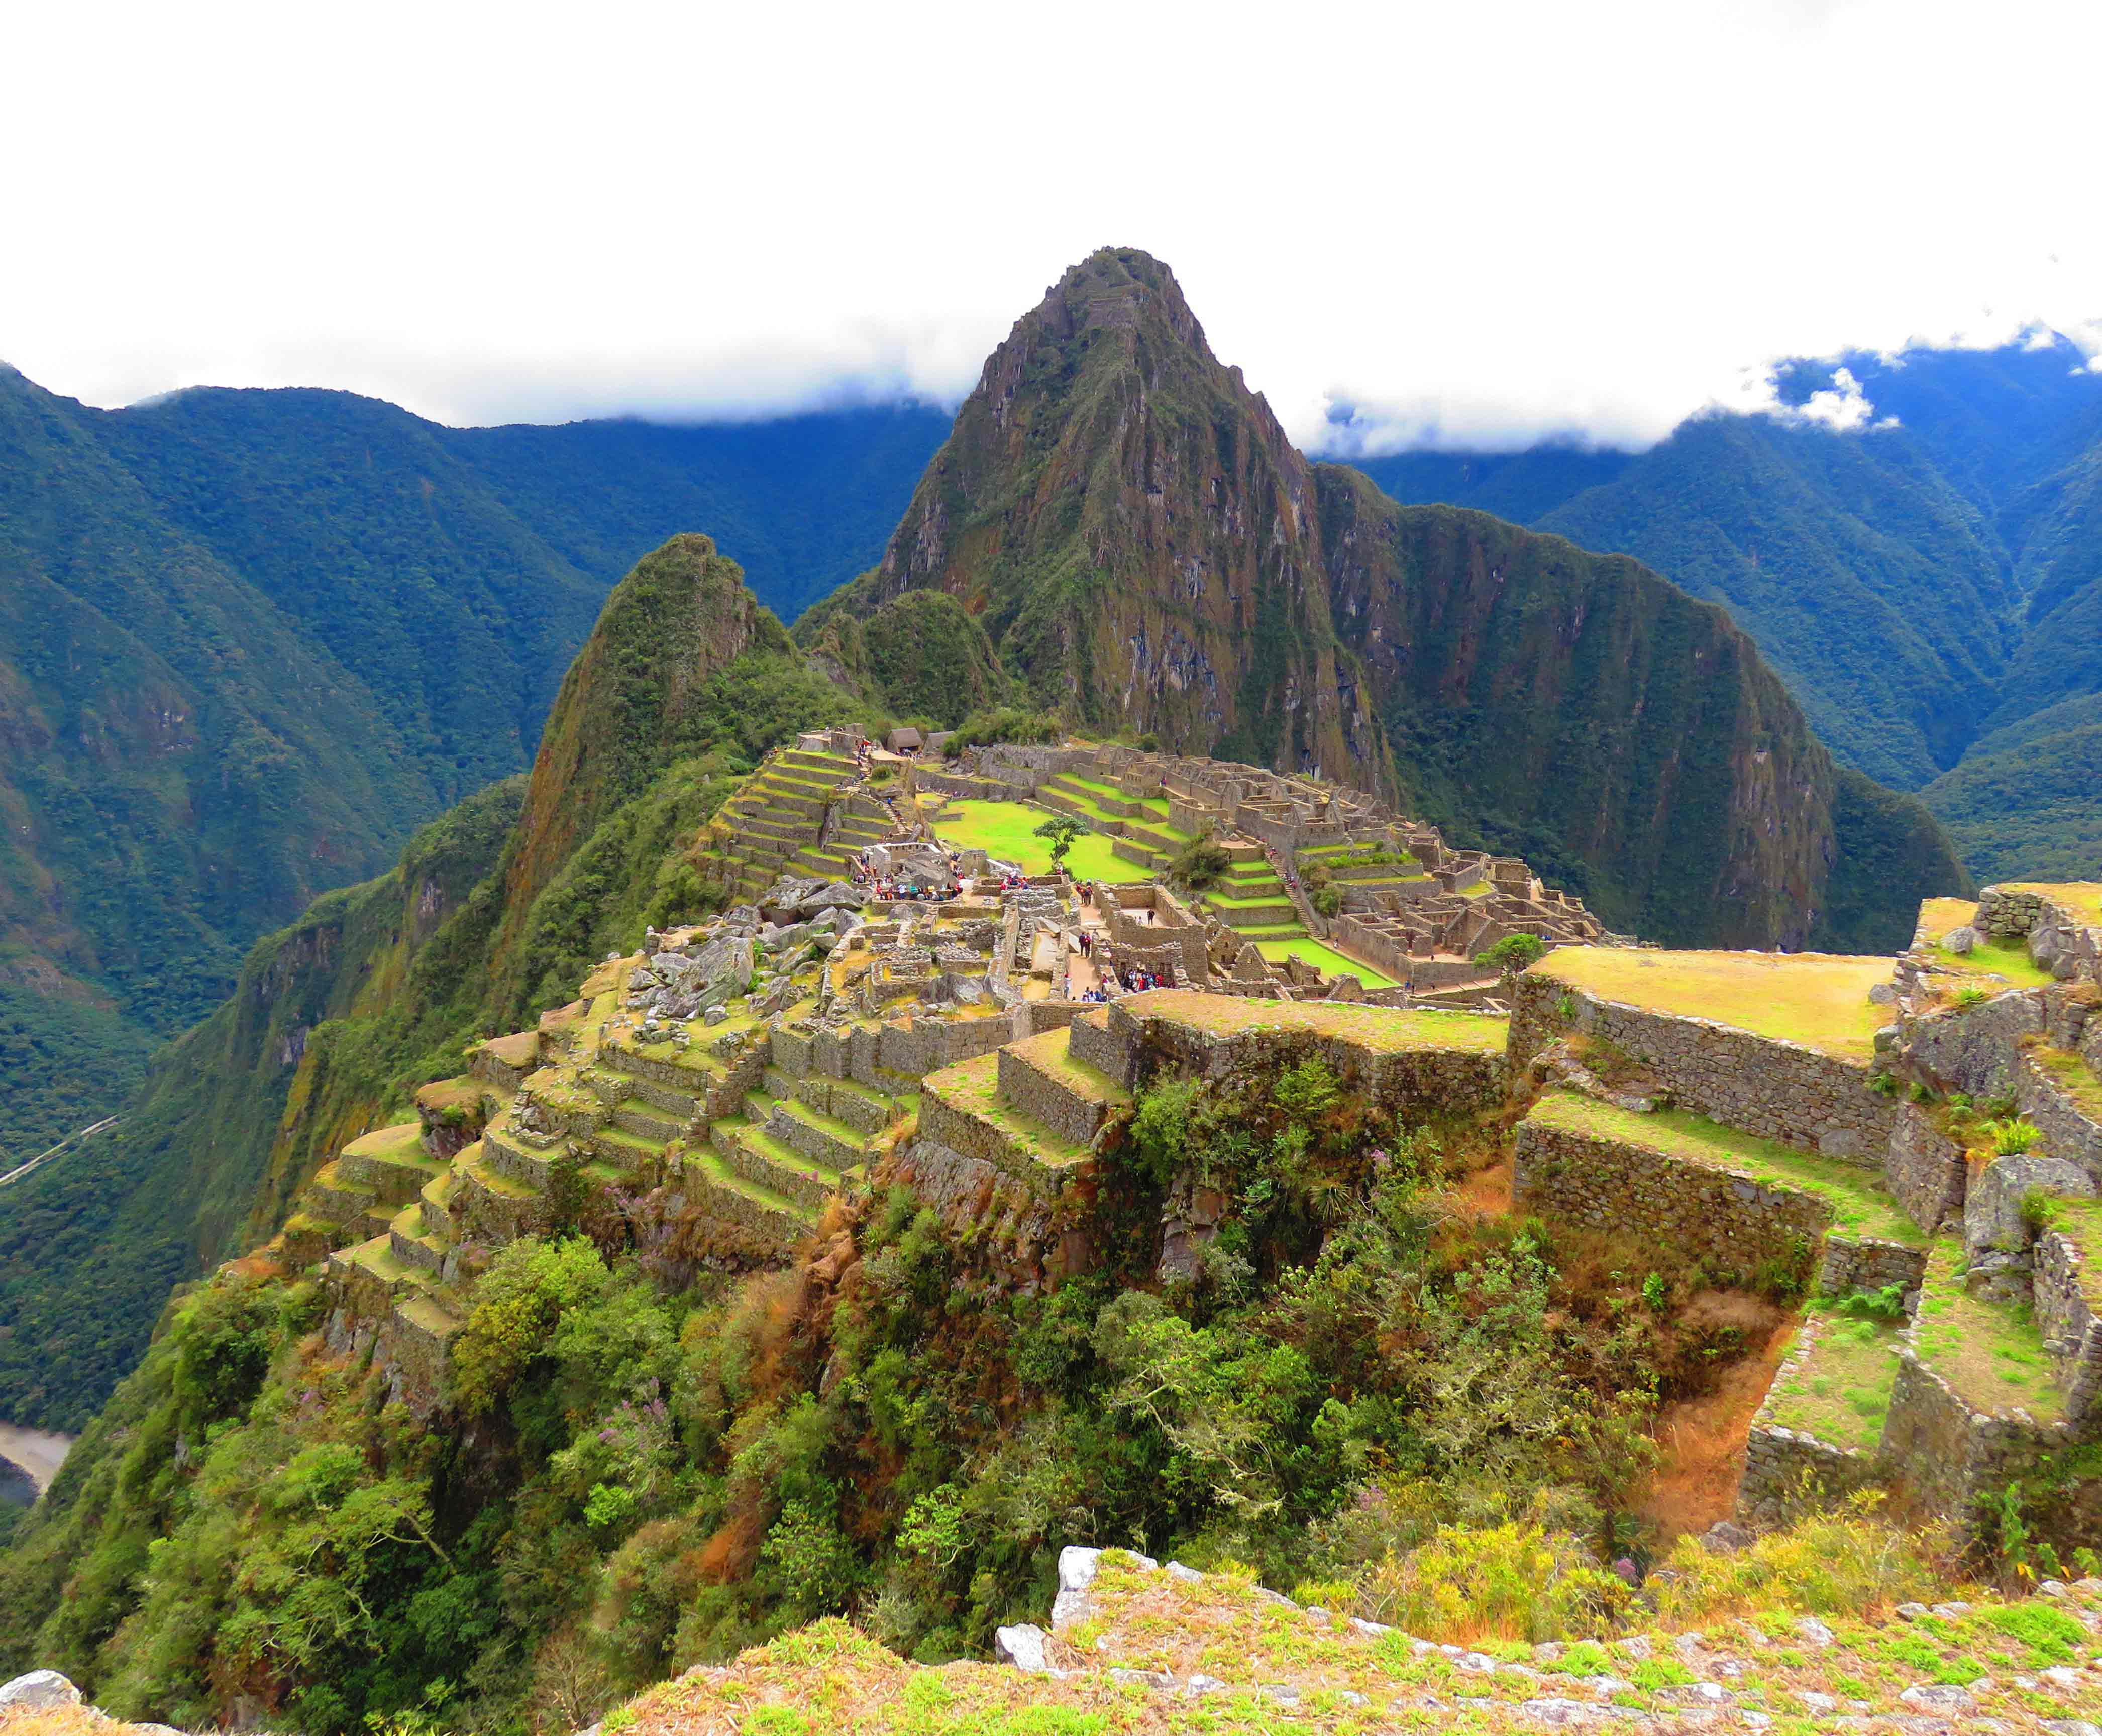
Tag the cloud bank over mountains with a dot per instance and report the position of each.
(1447, 227)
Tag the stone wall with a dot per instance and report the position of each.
(1778, 1090)
(1042, 1098)
(2060, 939)
(1414, 1085)
(1851, 1263)
(1734, 1224)
(2071, 1330)
(2067, 1132)
(980, 1141)
(1925, 1169)
(1952, 1457)
(1789, 1473)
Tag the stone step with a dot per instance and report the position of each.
(961, 1106)
(530, 1166)
(437, 1202)
(760, 1158)
(634, 1115)
(766, 1212)
(829, 1143)
(491, 1206)
(869, 1113)
(329, 1197)
(1088, 1040)
(1043, 1079)
(390, 1161)
(677, 1105)
(2055, 1090)
(412, 1243)
(624, 1153)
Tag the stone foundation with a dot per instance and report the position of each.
(1734, 1224)
(1779, 1091)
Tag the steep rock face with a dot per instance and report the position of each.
(1138, 535)
(1582, 695)
(1148, 552)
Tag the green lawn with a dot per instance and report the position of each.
(1325, 959)
(1004, 830)
(1860, 1207)
(1818, 999)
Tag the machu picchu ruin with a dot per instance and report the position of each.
(888, 1003)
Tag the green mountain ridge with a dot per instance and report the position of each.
(249, 640)
(1930, 590)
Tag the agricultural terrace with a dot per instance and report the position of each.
(1379, 1030)
(1860, 1207)
(2009, 959)
(1005, 831)
(1992, 1352)
(1841, 1392)
(1820, 1000)
(2081, 900)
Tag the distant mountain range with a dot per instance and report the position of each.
(251, 640)
(1930, 587)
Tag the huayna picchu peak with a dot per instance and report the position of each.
(1134, 1113)
(1147, 552)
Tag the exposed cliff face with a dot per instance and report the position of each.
(1583, 696)
(1149, 552)
(1138, 535)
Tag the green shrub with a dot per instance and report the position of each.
(1517, 1580)
(1512, 954)
(2011, 1138)
(1198, 863)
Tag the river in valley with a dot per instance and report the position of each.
(29, 1458)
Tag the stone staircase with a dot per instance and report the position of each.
(1250, 899)
(777, 822)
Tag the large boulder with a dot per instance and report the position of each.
(39, 1690)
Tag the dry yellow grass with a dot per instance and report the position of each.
(1382, 1030)
(1818, 999)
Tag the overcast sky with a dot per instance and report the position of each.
(1476, 223)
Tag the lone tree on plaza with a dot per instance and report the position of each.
(1061, 830)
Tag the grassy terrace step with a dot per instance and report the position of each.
(1990, 1352)
(491, 1180)
(971, 1088)
(1050, 1053)
(2007, 959)
(1859, 1205)
(721, 1174)
(1841, 1392)
(2070, 1074)
(1378, 1030)
(1818, 999)
(1325, 959)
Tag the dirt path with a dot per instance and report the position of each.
(36, 1450)
(1703, 1440)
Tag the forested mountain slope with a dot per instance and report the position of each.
(493, 912)
(1930, 587)
(249, 640)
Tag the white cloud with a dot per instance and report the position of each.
(1471, 225)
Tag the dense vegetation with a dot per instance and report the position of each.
(494, 913)
(640, 1477)
(1930, 588)
(249, 640)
